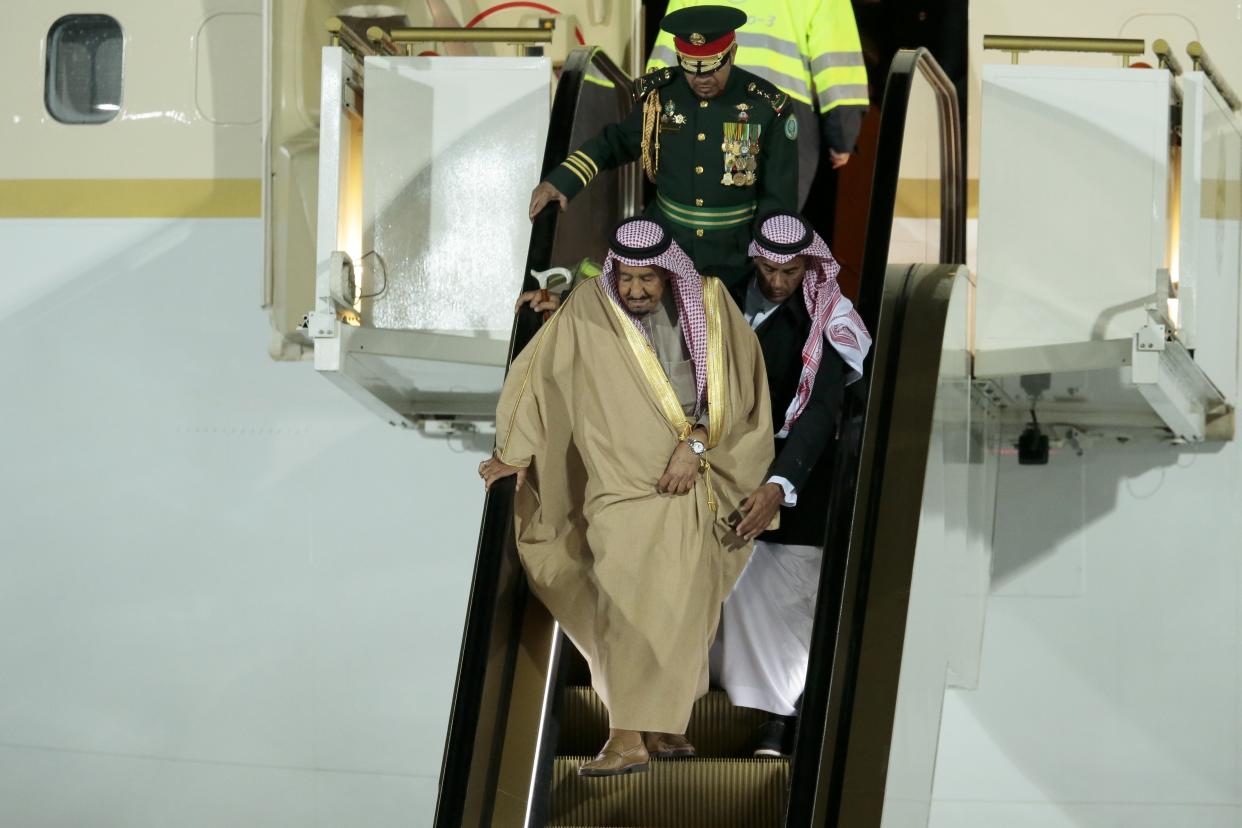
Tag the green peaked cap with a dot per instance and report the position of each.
(711, 22)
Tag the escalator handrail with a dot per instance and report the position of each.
(885, 183)
(497, 519)
(817, 774)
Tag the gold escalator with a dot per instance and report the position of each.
(721, 786)
(524, 716)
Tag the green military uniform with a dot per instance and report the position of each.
(716, 163)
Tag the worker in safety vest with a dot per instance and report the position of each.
(810, 50)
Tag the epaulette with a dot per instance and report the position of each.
(777, 99)
(652, 80)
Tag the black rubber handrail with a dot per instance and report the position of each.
(824, 732)
(495, 532)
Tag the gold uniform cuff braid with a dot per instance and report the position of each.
(581, 165)
(577, 172)
(587, 160)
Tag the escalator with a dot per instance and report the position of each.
(524, 716)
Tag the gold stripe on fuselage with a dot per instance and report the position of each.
(919, 198)
(131, 198)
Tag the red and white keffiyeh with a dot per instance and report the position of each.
(642, 243)
(781, 237)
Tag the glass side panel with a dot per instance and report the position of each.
(1207, 255)
(584, 229)
(447, 176)
(916, 215)
(949, 581)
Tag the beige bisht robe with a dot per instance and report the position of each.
(635, 578)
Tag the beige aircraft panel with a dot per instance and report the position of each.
(187, 115)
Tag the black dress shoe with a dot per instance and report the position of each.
(770, 739)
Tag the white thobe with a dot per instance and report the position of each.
(764, 644)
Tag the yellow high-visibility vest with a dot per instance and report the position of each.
(807, 48)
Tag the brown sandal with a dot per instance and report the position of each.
(612, 761)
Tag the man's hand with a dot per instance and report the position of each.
(679, 475)
(759, 510)
(492, 470)
(544, 193)
(838, 159)
(539, 300)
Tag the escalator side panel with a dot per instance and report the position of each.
(525, 707)
(842, 743)
(897, 478)
(875, 572)
(476, 721)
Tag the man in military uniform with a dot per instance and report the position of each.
(811, 50)
(719, 143)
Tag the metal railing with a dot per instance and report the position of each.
(397, 41)
(344, 35)
(1124, 47)
(1200, 61)
(1164, 53)
(431, 34)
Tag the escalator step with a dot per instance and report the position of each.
(691, 793)
(717, 728)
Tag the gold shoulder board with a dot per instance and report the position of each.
(775, 99)
(645, 84)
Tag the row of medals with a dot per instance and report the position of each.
(740, 148)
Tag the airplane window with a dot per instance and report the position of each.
(83, 78)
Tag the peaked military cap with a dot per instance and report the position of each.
(702, 35)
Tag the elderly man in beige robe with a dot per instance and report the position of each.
(636, 422)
